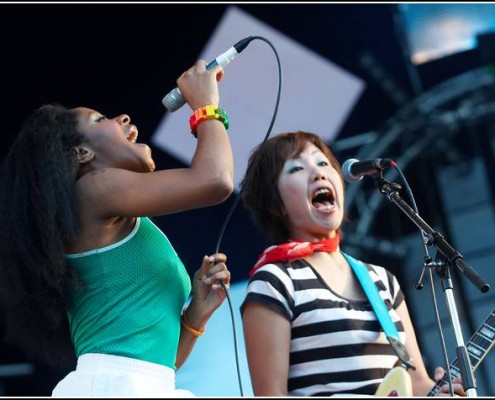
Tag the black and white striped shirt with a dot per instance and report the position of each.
(337, 345)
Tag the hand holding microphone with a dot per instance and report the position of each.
(175, 100)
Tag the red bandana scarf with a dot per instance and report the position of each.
(293, 250)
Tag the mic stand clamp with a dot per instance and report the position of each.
(446, 256)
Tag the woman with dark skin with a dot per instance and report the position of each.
(309, 328)
(84, 272)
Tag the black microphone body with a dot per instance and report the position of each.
(174, 99)
(353, 170)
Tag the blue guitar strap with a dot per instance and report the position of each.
(380, 308)
(371, 291)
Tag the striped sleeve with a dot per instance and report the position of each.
(272, 287)
(387, 284)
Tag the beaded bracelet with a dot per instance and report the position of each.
(205, 113)
(185, 323)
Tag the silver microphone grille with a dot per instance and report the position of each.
(173, 100)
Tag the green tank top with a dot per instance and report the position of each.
(132, 297)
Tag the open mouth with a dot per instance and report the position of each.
(132, 135)
(323, 198)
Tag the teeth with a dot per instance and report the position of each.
(321, 191)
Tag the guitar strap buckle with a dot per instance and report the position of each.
(401, 352)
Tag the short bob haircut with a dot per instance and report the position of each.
(259, 189)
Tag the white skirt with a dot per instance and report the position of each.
(103, 375)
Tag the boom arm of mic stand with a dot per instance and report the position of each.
(436, 238)
(452, 257)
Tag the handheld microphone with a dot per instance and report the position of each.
(174, 99)
(353, 170)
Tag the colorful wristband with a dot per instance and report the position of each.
(185, 323)
(205, 113)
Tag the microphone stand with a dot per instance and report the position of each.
(446, 256)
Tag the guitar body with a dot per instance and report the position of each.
(397, 383)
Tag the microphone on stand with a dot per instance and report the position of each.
(174, 99)
(353, 170)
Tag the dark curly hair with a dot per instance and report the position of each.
(259, 190)
(37, 218)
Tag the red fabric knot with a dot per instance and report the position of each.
(294, 250)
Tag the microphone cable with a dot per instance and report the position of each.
(234, 205)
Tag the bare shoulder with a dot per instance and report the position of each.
(97, 191)
(103, 180)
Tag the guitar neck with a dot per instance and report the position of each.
(478, 347)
